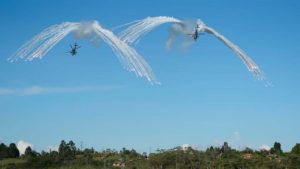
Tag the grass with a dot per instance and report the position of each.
(12, 161)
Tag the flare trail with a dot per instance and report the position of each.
(47, 39)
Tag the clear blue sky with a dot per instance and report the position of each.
(207, 95)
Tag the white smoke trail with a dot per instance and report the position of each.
(133, 62)
(43, 42)
(39, 45)
(134, 32)
(252, 67)
(177, 30)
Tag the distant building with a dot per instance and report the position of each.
(247, 156)
(119, 164)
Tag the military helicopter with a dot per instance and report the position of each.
(74, 48)
(199, 27)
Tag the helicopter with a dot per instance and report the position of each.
(195, 35)
(74, 48)
(199, 29)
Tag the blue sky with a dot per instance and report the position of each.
(207, 96)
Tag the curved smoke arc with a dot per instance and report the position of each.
(42, 43)
(141, 27)
(138, 29)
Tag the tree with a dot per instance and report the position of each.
(9, 152)
(4, 153)
(62, 147)
(225, 148)
(72, 146)
(13, 151)
(296, 149)
(29, 152)
(276, 148)
(67, 151)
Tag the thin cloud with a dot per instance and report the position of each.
(39, 90)
(22, 145)
(265, 147)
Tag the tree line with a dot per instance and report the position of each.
(10, 151)
(223, 157)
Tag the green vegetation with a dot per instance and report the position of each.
(9, 152)
(224, 157)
